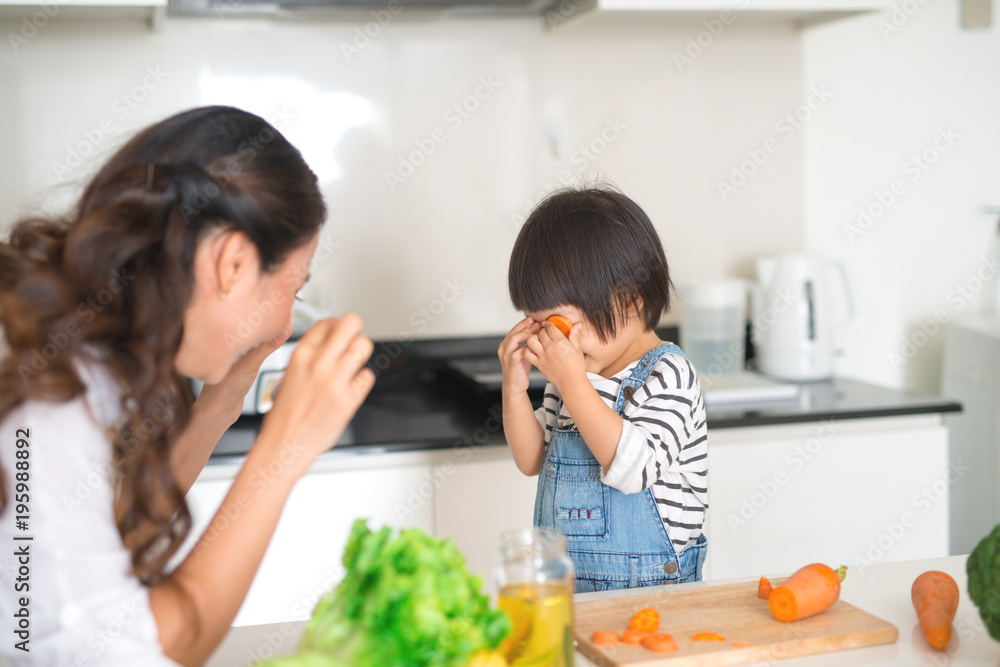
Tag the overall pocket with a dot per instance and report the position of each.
(692, 561)
(579, 502)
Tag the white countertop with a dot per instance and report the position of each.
(882, 590)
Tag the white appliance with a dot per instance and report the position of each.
(972, 377)
(260, 397)
(794, 315)
(713, 326)
(712, 332)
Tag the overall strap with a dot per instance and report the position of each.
(641, 372)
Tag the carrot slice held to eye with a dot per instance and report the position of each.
(707, 637)
(935, 598)
(764, 588)
(645, 620)
(660, 643)
(810, 590)
(562, 323)
(605, 638)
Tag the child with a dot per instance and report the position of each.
(620, 441)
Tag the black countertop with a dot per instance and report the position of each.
(419, 402)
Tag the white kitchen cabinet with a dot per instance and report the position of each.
(477, 500)
(852, 492)
(303, 560)
(468, 494)
(715, 15)
(35, 15)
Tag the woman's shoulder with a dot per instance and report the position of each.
(101, 399)
(103, 394)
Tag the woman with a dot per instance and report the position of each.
(181, 259)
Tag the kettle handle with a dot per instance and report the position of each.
(850, 292)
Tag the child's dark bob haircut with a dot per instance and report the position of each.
(593, 249)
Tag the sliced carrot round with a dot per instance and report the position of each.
(764, 588)
(660, 643)
(645, 620)
(633, 636)
(605, 638)
(562, 323)
(707, 637)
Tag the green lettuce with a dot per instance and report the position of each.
(406, 600)
(983, 568)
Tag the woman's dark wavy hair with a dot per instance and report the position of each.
(596, 250)
(109, 282)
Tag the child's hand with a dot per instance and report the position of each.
(559, 358)
(515, 366)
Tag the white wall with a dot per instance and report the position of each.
(896, 93)
(671, 136)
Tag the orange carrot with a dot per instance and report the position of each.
(633, 636)
(810, 590)
(707, 637)
(935, 598)
(562, 323)
(660, 643)
(645, 620)
(764, 588)
(605, 638)
(742, 643)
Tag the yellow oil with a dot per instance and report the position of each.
(542, 620)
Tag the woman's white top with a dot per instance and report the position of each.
(72, 582)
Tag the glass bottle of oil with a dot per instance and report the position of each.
(535, 577)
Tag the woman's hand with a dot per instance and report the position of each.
(559, 358)
(323, 387)
(515, 367)
(225, 399)
(217, 408)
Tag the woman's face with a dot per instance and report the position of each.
(235, 306)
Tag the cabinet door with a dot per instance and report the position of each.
(832, 492)
(478, 500)
(302, 561)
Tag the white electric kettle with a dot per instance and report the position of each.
(793, 315)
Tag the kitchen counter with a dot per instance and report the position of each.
(839, 398)
(421, 402)
(882, 590)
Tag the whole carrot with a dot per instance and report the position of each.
(935, 599)
(810, 590)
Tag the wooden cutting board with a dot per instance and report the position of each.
(732, 610)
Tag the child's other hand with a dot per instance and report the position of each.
(515, 367)
(559, 358)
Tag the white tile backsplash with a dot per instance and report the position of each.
(434, 139)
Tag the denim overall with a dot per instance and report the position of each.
(615, 540)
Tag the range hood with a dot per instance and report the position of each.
(357, 9)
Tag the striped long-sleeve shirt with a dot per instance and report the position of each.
(663, 445)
